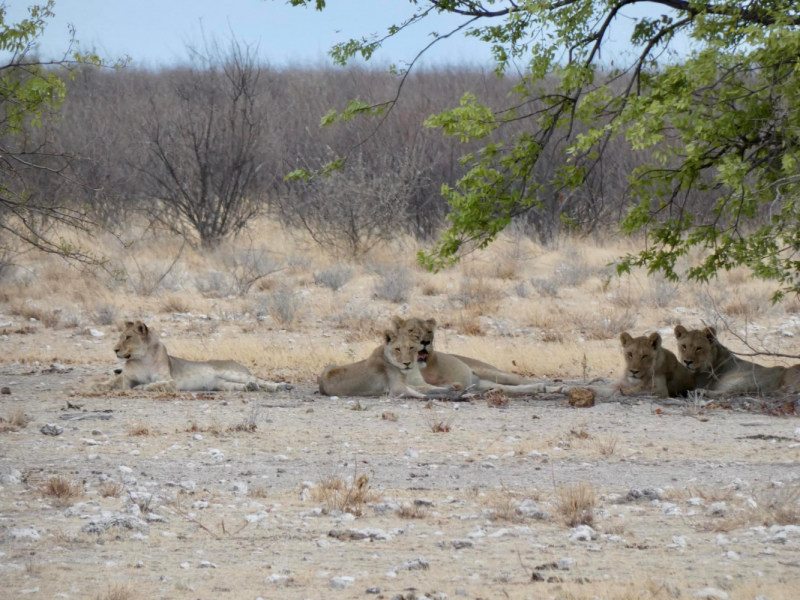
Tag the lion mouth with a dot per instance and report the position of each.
(422, 356)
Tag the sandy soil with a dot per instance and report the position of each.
(236, 499)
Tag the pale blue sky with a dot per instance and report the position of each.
(153, 32)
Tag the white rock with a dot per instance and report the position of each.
(96, 333)
(411, 453)
(709, 594)
(731, 555)
(52, 429)
(185, 565)
(27, 591)
(582, 533)
(670, 510)
(718, 509)
(125, 470)
(340, 583)
(416, 564)
(565, 564)
(24, 533)
(275, 578)
(679, 541)
(204, 564)
(188, 485)
(239, 488)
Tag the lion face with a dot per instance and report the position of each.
(401, 350)
(420, 330)
(133, 341)
(696, 347)
(641, 354)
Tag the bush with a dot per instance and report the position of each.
(574, 270)
(476, 294)
(546, 286)
(334, 277)
(284, 305)
(214, 283)
(105, 314)
(662, 292)
(395, 285)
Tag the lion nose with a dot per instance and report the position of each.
(634, 371)
(407, 364)
(688, 363)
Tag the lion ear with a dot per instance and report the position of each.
(141, 328)
(431, 323)
(711, 334)
(389, 336)
(655, 340)
(125, 325)
(625, 338)
(398, 322)
(680, 331)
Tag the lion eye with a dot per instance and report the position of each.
(683, 347)
(630, 354)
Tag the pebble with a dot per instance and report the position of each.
(373, 590)
(6, 391)
(24, 533)
(204, 564)
(411, 453)
(416, 564)
(461, 544)
(340, 583)
(565, 564)
(52, 429)
(185, 565)
(188, 485)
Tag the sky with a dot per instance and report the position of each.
(154, 33)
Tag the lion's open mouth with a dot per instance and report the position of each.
(422, 355)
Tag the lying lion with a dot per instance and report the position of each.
(390, 369)
(149, 367)
(438, 368)
(651, 368)
(721, 373)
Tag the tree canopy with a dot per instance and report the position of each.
(708, 91)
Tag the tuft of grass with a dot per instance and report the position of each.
(547, 287)
(111, 489)
(496, 399)
(139, 428)
(256, 491)
(62, 490)
(439, 423)
(284, 305)
(477, 295)
(411, 511)
(389, 416)
(606, 446)
(175, 304)
(575, 504)
(117, 592)
(14, 420)
(337, 494)
(48, 318)
(334, 277)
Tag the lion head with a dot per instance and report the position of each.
(697, 348)
(134, 340)
(641, 354)
(421, 330)
(401, 350)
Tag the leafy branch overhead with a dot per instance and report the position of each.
(32, 90)
(707, 93)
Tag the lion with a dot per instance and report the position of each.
(719, 372)
(438, 368)
(148, 366)
(391, 369)
(649, 367)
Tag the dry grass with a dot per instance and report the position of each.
(139, 428)
(496, 399)
(61, 490)
(502, 505)
(117, 592)
(410, 511)
(257, 491)
(436, 422)
(336, 494)
(606, 446)
(575, 504)
(389, 416)
(14, 420)
(111, 489)
(175, 304)
(26, 310)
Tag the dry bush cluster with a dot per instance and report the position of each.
(344, 496)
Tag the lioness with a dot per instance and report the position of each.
(148, 366)
(390, 369)
(721, 373)
(438, 368)
(649, 367)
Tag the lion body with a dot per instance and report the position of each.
(651, 368)
(149, 366)
(438, 368)
(391, 369)
(722, 373)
